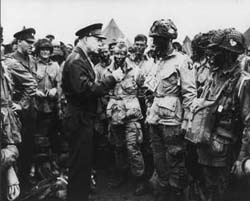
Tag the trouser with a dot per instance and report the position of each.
(146, 148)
(169, 156)
(127, 150)
(216, 182)
(79, 129)
(26, 148)
(102, 152)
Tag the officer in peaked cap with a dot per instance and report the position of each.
(82, 93)
(50, 37)
(26, 34)
(91, 30)
(25, 40)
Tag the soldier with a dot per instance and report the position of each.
(145, 64)
(201, 65)
(200, 58)
(124, 114)
(46, 102)
(82, 92)
(171, 84)
(105, 61)
(25, 40)
(102, 151)
(221, 113)
(13, 74)
(50, 37)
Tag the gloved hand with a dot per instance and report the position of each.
(118, 74)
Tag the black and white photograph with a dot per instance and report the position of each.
(125, 100)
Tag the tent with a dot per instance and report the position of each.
(187, 46)
(247, 36)
(113, 32)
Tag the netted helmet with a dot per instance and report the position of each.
(163, 28)
(229, 39)
(43, 44)
(202, 40)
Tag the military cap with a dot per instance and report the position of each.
(91, 30)
(50, 36)
(26, 34)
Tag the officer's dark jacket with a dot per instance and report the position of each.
(78, 82)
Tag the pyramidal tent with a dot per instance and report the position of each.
(113, 32)
(187, 46)
(247, 36)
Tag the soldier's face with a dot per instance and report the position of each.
(93, 44)
(222, 58)
(160, 43)
(119, 56)
(25, 46)
(44, 53)
(140, 47)
(105, 54)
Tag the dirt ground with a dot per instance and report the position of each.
(238, 192)
(105, 192)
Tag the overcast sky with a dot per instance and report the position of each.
(64, 17)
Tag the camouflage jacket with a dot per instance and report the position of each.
(123, 104)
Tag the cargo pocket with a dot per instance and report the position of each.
(116, 111)
(219, 146)
(169, 108)
(133, 109)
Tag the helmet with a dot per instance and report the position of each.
(229, 39)
(202, 40)
(43, 43)
(163, 28)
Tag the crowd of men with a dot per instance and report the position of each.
(174, 125)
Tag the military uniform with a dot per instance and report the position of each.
(28, 115)
(145, 64)
(12, 74)
(221, 115)
(124, 113)
(82, 92)
(46, 138)
(173, 79)
(101, 144)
